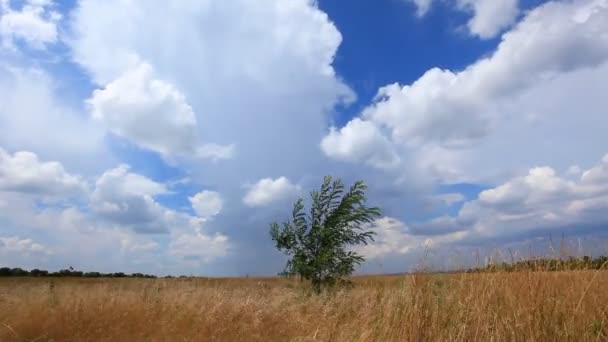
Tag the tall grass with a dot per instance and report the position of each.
(496, 306)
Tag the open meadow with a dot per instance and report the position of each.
(494, 306)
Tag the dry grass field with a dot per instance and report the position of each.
(517, 306)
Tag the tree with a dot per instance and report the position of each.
(39, 273)
(319, 244)
(18, 272)
(5, 272)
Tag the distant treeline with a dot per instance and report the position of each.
(18, 272)
(547, 264)
(538, 264)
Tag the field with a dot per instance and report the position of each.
(499, 306)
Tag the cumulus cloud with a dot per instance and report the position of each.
(422, 6)
(198, 247)
(35, 117)
(269, 190)
(207, 203)
(21, 246)
(17, 251)
(215, 152)
(254, 83)
(257, 76)
(396, 240)
(73, 237)
(436, 227)
(456, 108)
(35, 24)
(153, 114)
(138, 247)
(489, 17)
(232, 80)
(450, 198)
(120, 181)
(449, 113)
(252, 74)
(360, 141)
(538, 186)
(391, 237)
(127, 199)
(114, 227)
(537, 204)
(24, 172)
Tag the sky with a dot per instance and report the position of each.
(163, 137)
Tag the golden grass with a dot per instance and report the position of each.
(518, 306)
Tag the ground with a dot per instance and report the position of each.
(499, 306)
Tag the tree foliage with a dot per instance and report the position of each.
(319, 242)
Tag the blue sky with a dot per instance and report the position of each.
(162, 137)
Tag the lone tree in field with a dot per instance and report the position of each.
(318, 243)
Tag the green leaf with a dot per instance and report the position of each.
(320, 242)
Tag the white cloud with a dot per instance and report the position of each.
(422, 6)
(35, 24)
(490, 17)
(21, 246)
(137, 247)
(269, 190)
(256, 80)
(540, 184)
(457, 108)
(73, 237)
(437, 229)
(153, 114)
(449, 113)
(59, 235)
(27, 253)
(253, 77)
(120, 181)
(396, 238)
(198, 247)
(23, 172)
(598, 174)
(215, 152)
(127, 199)
(207, 203)
(34, 116)
(360, 141)
(537, 204)
(257, 76)
(451, 198)
(296, 29)
(251, 73)
(391, 237)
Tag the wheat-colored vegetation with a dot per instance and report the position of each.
(494, 306)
